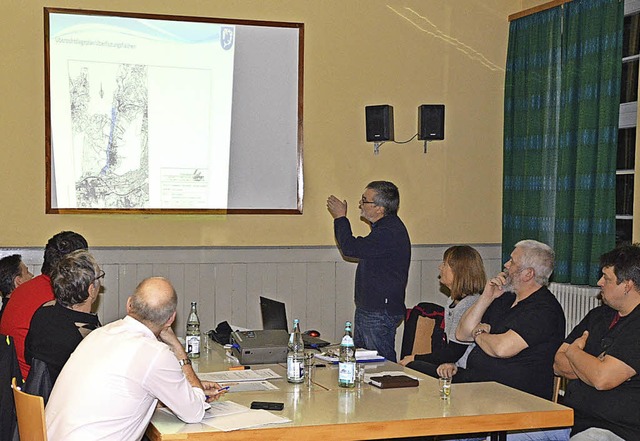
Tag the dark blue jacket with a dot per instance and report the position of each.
(383, 263)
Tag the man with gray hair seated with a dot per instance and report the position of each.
(110, 386)
(517, 325)
(58, 326)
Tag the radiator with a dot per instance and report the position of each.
(576, 301)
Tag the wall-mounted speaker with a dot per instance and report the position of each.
(431, 121)
(379, 122)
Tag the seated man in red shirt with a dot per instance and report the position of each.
(31, 295)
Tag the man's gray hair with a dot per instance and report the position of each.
(72, 276)
(387, 196)
(539, 257)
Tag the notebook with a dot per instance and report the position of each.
(274, 316)
(393, 381)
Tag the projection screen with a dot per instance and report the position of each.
(164, 114)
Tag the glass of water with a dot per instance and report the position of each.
(445, 387)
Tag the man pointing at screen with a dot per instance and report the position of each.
(383, 265)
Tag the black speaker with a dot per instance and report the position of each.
(379, 120)
(431, 121)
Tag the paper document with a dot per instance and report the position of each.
(224, 408)
(216, 409)
(362, 355)
(244, 420)
(248, 386)
(237, 376)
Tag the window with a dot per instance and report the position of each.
(625, 164)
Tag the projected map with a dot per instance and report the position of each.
(140, 113)
(109, 117)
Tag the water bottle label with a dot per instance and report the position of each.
(193, 344)
(347, 372)
(295, 370)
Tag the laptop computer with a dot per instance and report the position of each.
(274, 316)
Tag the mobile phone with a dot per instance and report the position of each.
(267, 405)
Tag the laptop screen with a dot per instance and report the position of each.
(274, 314)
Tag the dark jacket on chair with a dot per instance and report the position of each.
(8, 369)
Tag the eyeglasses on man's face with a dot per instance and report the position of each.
(365, 201)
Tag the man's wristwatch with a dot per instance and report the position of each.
(184, 361)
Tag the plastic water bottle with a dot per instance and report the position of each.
(192, 340)
(295, 355)
(347, 363)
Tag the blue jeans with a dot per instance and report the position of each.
(536, 435)
(376, 330)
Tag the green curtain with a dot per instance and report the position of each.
(562, 95)
(531, 125)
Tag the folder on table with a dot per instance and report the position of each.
(393, 381)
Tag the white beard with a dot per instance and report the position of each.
(509, 285)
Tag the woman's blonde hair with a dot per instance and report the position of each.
(468, 271)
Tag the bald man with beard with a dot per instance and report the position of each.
(110, 386)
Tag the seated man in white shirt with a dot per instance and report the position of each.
(110, 386)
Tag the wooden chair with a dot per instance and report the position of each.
(559, 387)
(30, 411)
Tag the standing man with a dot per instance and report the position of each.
(29, 296)
(109, 387)
(13, 273)
(602, 355)
(383, 265)
(517, 325)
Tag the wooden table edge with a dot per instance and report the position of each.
(388, 429)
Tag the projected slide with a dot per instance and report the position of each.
(140, 112)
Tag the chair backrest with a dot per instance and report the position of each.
(39, 381)
(423, 329)
(559, 387)
(30, 411)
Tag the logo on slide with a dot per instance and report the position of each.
(226, 37)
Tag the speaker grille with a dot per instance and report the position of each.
(379, 122)
(431, 121)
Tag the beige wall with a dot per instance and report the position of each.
(401, 52)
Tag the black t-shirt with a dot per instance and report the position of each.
(617, 409)
(539, 320)
(54, 333)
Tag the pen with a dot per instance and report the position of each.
(216, 392)
(239, 368)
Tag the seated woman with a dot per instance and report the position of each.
(59, 326)
(462, 272)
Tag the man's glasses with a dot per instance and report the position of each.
(365, 201)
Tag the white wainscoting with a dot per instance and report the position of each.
(315, 283)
